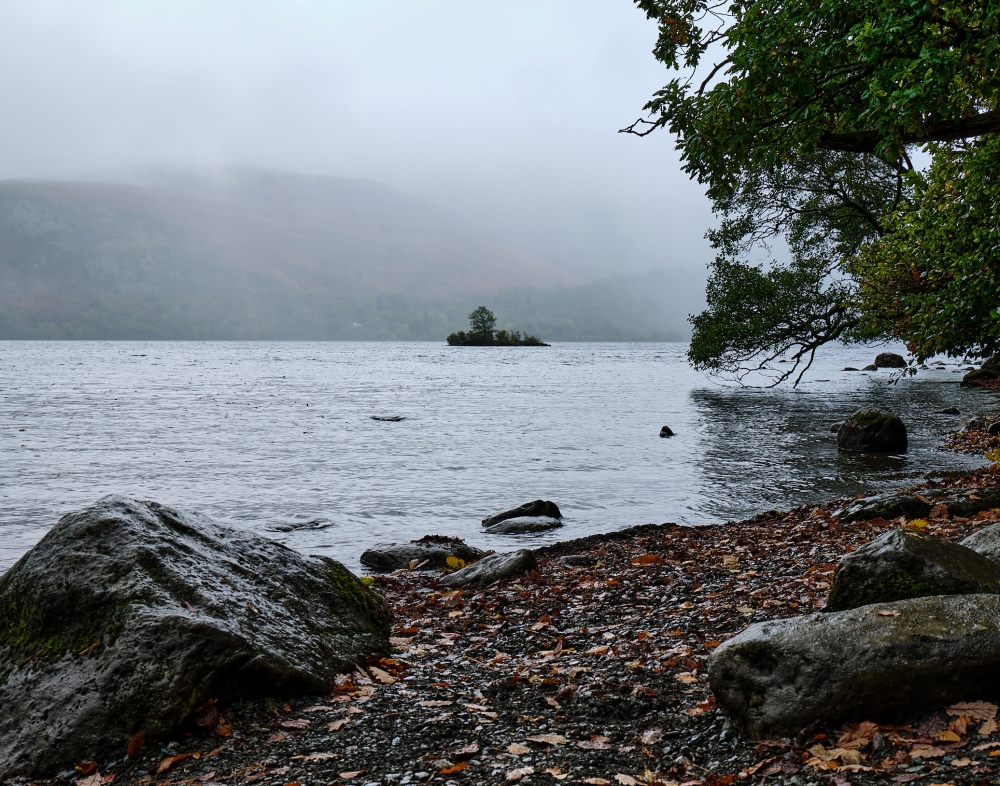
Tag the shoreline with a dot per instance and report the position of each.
(584, 674)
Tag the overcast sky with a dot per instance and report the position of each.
(505, 112)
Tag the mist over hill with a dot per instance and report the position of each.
(250, 254)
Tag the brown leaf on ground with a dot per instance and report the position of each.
(464, 751)
(135, 743)
(648, 559)
(172, 761)
(548, 739)
(348, 775)
(337, 724)
(626, 780)
(297, 723)
(516, 749)
(858, 735)
(91, 780)
(315, 758)
(207, 715)
(87, 767)
(926, 752)
(454, 768)
(977, 710)
(651, 736)
(960, 725)
(382, 676)
(520, 772)
(597, 781)
(988, 727)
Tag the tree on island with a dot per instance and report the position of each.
(481, 333)
(803, 132)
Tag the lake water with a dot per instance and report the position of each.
(279, 438)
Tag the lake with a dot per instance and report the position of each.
(279, 437)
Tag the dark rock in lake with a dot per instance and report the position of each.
(129, 615)
(949, 411)
(540, 507)
(871, 367)
(884, 663)
(993, 429)
(959, 502)
(872, 431)
(492, 568)
(388, 418)
(834, 427)
(430, 552)
(666, 432)
(849, 368)
(977, 375)
(890, 360)
(523, 524)
(906, 564)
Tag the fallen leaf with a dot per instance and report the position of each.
(465, 751)
(171, 761)
(963, 762)
(626, 780)
(135, 743)
(207, 715)
(520, 772)
(87, 767)
(434, 703)
(926, 752)
(601, 650)
(91, 780)
(454, 768)
(552, 702)
(279, 736)
(988, 727)
(651, 736)
(517, 749)
(960, 725)
(886, 613)
(977, 710)
(297, 723)
(744, 610)
(648, 559)
(986, 746)
(556, 773)
(597, 782)
(315, 758)
(595, 743)
(319, 708)
(687, 678)
(549, 739)
(348, 775)
(337, 724)
(918, 523)
(454, 562)
(382, 676)
(947, 736)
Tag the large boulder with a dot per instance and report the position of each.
(880, 663)
(128, 615)
(907, 564)
(431, 552)
(986, 542)
(523, 524)
(872, 431)
(890, 360)
(540, 507)
(492, 568)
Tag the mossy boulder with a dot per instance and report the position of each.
(129, 615)
(872, 431)
(978, 375)
(887, 662)
(890, 360)
(909, 564)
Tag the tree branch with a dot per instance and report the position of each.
(949, 131)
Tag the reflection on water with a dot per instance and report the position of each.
(279, 437)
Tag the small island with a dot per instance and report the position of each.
(482, 334)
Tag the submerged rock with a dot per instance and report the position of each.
(872, 431)
(492, 568)
(883, 663)
(949, 411)
(890, 360)
(540, 507)
(523, 524)
(430, 553)
(666, 432)
(128, 615)
(388, 418)
(907, 564)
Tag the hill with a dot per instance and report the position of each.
(263, 255)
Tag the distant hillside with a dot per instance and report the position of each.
(255, 254)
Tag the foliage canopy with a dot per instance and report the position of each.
(481, 333)
(801, 118)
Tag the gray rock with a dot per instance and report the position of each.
(872, 431)
(949, 411)
(890, 360)
(908, 564)
(492, 568)
(977, 375)
(432, 550)
(524, 524)
(959, 502)
(577, 561)
(849, 368)
(871, 367)
(836, 426)
(776, 677)
(388, 418)
(540, 507)
(128, 615)
(993, 429)
(666, 432)
(986, 542)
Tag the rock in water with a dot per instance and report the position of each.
(880, 663)
(872, 431)
(890, 360)
(540, 507)
(523, 524)
(492, 568)
(128, 615)
(906, 564)
(666, 432)
(949, 411)
(430, 552)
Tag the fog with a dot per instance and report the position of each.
(505, 113)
